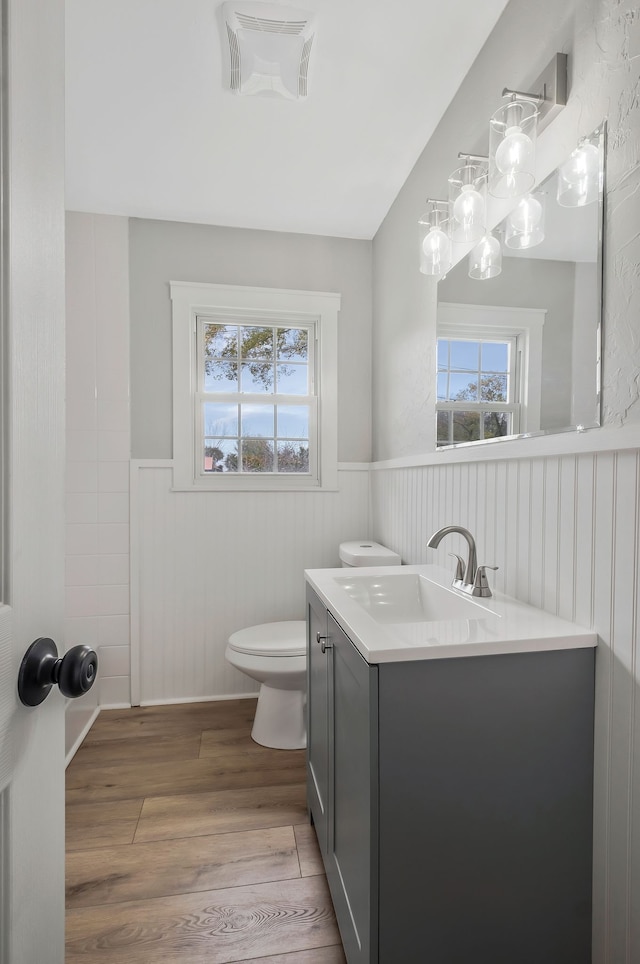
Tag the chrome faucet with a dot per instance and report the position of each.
(470, 578)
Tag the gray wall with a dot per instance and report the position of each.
(163, 251)
(531, 283)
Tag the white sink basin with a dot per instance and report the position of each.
(393, 613)
(409, 597)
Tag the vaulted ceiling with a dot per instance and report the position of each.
(153, 130)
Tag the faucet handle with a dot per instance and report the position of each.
(460, 567)
(481, 584)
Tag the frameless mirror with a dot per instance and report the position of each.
(519, 351)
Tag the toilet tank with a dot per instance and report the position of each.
(366, 553)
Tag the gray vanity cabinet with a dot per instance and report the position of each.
(342, 777)
(318, 714)
(452, 799)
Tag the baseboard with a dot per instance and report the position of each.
(85, 729)
(199, 699)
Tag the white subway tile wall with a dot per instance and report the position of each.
(98, 442)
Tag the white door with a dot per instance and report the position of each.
(32, 477)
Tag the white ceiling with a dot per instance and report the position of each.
(152, 132)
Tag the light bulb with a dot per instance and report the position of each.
(579, 177)
(525, 225)
(515, 153)
(485, 261)
(469, 205)
(437, 250)
(584, 162)
(526, 215)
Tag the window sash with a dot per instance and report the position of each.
(511, 374)
(270, 401)
(481, 408)
(265, 399)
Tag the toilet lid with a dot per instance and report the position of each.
(272, 639)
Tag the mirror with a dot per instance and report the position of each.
(519, 352)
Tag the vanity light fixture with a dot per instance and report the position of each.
(525, 223)
(485, 261)
(508, 172)
(514, 127)
(579, 176)
(512, 148)
(468, 199)
(435, 246)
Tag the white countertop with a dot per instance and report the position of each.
(496, 625)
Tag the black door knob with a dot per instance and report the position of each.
(41, 668)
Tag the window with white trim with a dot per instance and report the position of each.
(489, 367)
(255, 403)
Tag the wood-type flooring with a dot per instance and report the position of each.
(187, 843)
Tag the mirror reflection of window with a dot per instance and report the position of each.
(476, 389)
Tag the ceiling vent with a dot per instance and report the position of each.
(267, 47)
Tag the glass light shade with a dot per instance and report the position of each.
(485, 261)
(468, 203)
(435, 246)
(436, 253)
(525, 224)
(512, 149)
(579, 177)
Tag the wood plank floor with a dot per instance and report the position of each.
(189, 843)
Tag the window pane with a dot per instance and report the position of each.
(220, 419)
(256, 342)
(220, 455)
(443, 354)
(443, 422)
(497, 424)
(292, 379)
(221, 341)
(463, 388)
(493, 388)
(466, 426)
(443, 379)
(465, 356)
(257, 421)
(495, 357)
(292, 343)
(256, 377)
(257, 455)
(293, 421)
(293, 457)
(220, 376)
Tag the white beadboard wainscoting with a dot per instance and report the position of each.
(205, 564)
(565, 533)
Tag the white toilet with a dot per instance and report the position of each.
(275, 654)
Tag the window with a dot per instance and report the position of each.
(477, 389)
(256, 405)
(254, 387)
(489, 363)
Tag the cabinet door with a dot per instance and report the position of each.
(317, 718)
(353, 859)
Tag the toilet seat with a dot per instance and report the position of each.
(271, 639)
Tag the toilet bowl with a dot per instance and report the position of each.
(274, 654)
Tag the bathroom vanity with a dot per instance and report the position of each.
(450, 770)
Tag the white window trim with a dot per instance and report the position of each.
(319, 308)
(497, 320)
